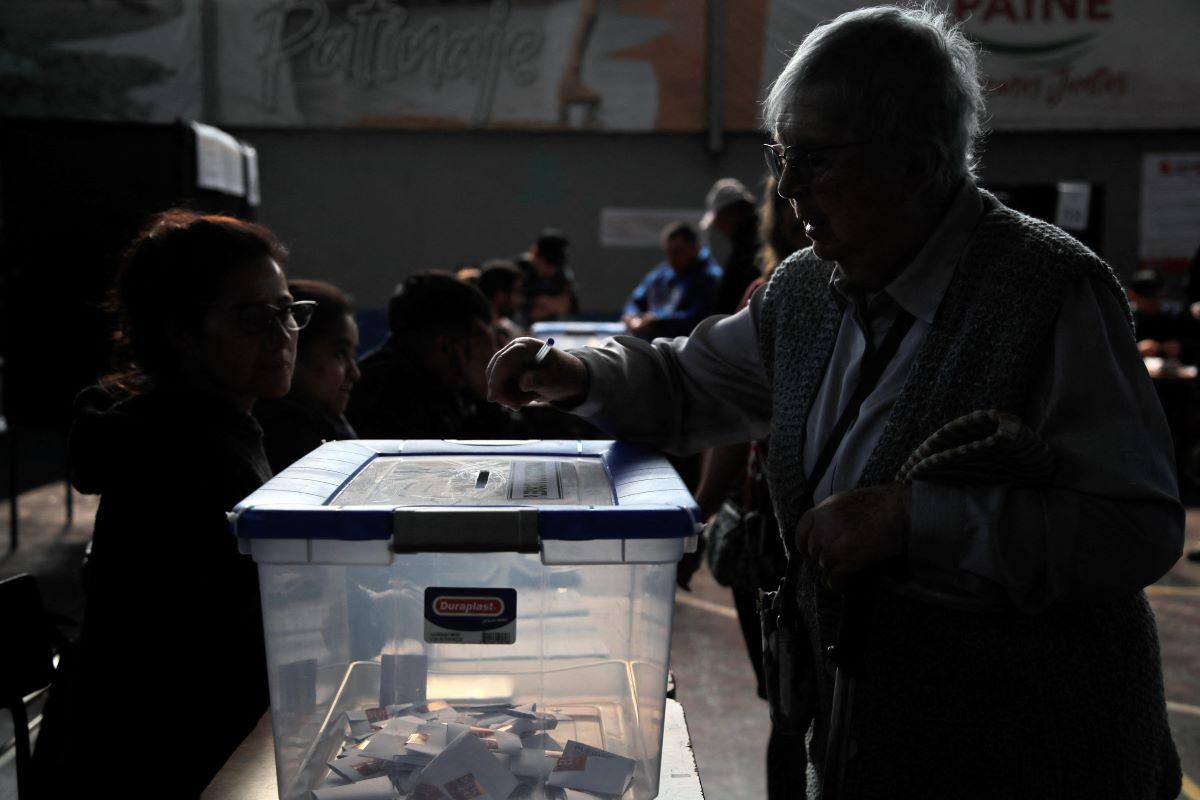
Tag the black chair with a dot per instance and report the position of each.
(27, 666)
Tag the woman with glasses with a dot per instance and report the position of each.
(326, 371)
(171, 673)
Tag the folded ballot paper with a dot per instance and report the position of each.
(355, 768)
(591, 769)
(525, 720)
(371, 789)
(434, 751)
(464, 769)
(431, 739)
(534, 764)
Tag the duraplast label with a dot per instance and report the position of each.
(470, 615)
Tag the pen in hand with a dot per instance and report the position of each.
(542, 352)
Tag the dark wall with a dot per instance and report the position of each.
(1111, 160)
(365, 208)
(72, 196)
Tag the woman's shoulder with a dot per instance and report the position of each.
(291, 429)
(158, 439)
(112, 436)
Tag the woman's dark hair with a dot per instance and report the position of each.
(170, 273)
(772, 214)
(498, 275)
(332, 307)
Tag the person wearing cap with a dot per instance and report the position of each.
(977, 629)
(730, 211)
(550, 291)
(678, 292)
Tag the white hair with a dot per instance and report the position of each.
(905, 74)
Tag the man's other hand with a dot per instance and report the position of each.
(514, 381)
(853, 531)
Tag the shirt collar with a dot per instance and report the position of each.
(920, 287)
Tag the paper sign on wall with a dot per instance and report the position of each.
(641, 227)
(1170, 220)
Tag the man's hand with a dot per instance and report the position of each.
(638, 323)
(852, 531)
(514, 381)
(1149, 348)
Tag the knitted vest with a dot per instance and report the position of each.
(949, 702)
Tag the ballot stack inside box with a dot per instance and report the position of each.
(468, 619)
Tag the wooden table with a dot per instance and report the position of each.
(249, 774)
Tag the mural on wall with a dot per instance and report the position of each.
(617, 65)
(1054, 64)
(531, 64)
(100, 59)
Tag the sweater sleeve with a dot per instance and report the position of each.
(682, 394)
(1110, 522)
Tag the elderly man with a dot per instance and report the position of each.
(1002, 644)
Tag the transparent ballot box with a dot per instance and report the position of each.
(577, 333)
(489, 615)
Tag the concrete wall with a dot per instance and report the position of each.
(363, 209)
(1112, 160)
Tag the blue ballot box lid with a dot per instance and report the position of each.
(471, 495)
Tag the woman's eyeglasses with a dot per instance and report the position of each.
(819, 160)
(255, 319)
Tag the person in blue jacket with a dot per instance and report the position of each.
(679, 292)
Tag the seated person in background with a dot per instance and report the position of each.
(426, 381)
(326, 370)
(550, 291)
(500, 282)
(679, 292)
(1163, 329)
(730, 212)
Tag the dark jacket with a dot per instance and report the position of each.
(679, 301)
(397, 398)
(172, 640)
(741, 266)
(534, 285)
(293, 427)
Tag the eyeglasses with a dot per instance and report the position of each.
(819, 160)
(255, 319)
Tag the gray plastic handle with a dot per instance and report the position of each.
(465, 530)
